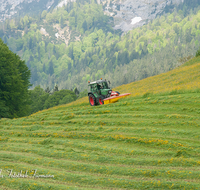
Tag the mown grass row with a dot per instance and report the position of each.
(144, 142)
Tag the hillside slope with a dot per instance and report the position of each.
(141, 142)
(185, 77)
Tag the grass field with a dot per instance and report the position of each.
(150, 140)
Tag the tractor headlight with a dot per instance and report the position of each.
(110, 91)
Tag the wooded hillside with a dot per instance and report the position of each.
(76, 43)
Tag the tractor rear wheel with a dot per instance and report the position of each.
(101, 102)
(92, 100)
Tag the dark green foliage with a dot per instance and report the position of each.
(184, 8)
(51, 69)
(198, 53)
(123, 58)
(4, 110)
(84, 25)
(34, 75)
(83, 94)
(59, 97)
(38, 98)
(41, 99)
(61, 22)
(14, 84)
(187, 6)
(67, 99)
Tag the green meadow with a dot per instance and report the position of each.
(149, 141)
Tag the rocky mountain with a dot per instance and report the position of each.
(9, 8)
(127, 14)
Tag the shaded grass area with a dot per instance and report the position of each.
(144, 142)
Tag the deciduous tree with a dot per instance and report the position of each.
(14, 84)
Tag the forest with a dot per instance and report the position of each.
(70, 45)
(16, 99)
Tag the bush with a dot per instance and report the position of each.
(83, 94)
(60, 97)
(198, 53)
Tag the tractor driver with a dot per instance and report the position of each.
(98, 88)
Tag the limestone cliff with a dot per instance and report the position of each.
(127, 14)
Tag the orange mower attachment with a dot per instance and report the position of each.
(113, 99)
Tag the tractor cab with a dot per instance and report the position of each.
(100, 87)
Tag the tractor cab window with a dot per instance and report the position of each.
(99, 86)
(93, 88)
(105, 85)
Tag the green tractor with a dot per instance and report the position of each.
(99, 90)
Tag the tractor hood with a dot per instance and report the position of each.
(106, 91)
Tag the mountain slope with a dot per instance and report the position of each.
(77, 43)
(141, 142)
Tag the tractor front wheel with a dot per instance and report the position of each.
(92, 100)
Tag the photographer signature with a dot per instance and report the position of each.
(20, 174)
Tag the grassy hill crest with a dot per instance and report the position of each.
(185, 77)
